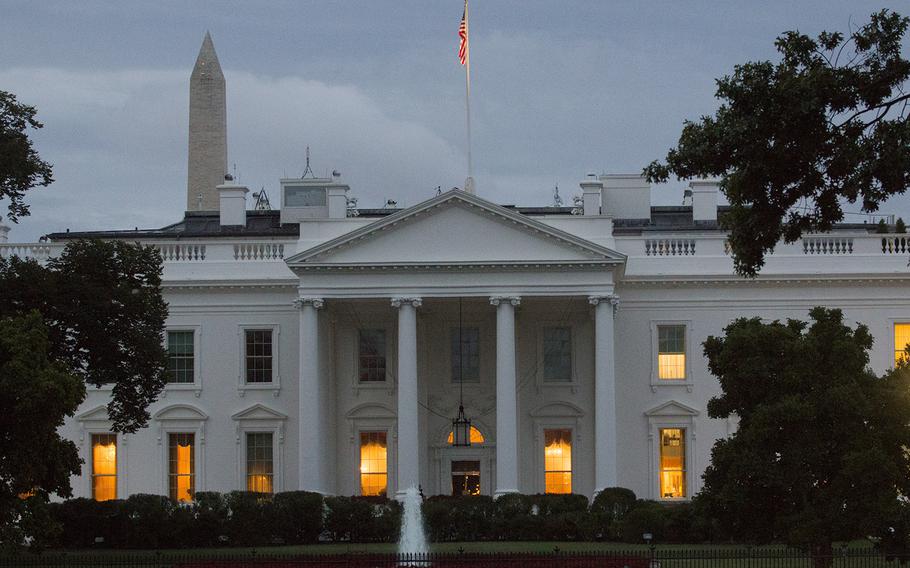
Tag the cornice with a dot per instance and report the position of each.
(517, 266)
(231, 285)
(777, 280)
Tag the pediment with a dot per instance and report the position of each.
(557, 410)
(672, 408)
(370, 410)
(97, 414)
(180, 412)
(259, 412)
(455, 228)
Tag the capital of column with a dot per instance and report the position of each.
(613, 299)
(496, 300)
(413, 301)
(302, 302)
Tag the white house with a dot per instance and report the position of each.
(327, 348)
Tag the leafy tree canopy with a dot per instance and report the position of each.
(793, 140)
(38, 392)
(21, 168)
(102, 305)
(820, 452)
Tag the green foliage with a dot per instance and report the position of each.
(102, 305)
(793, 140)
(820, 452)
(249, 522)
(900, 226)
(882, 227)
(21, 168)
(37, 394)
(608, 509)
(362, 519)
(458, 518)
(297, 516)
(210, 516)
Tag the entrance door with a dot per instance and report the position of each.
(465, 477)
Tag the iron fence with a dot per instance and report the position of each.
(655, 558)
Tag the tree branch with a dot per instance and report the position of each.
(885, 105)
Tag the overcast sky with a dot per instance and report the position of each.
(375, 89)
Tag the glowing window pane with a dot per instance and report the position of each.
(558, 461)
(557, 354)
(104, 467)
(901, 339)
(373, 463)
(672, 463)
(476, 436)
(259, 464)
(671, 352)
(181, 467)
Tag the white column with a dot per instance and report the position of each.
(605, 461)
(408, 412)
(506, 397)
(311, 435)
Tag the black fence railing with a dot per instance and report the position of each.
(658, 558)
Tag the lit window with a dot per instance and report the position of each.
(104, 467)
(259, 465)
(466, 352)
(259, 355)
(372, 355)
(465, 477)
(672, 463)
(180, 354)
(557, 354)
(476, 436)
(671, 352)
(558, 460)
(181, 467)
(373, 463)
(901, 339)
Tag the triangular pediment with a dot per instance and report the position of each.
(557, 410)
(672, 408)
(180, 412)
(97, 414)
(455, 228)
(259, 412)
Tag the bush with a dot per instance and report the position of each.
(209, 519)
(458, 518)
(362, 519)
(562, 517)
(297, 516)
(249, 519)
(900, 226)
(85, 520)
(608, 509)
(149, 523)
(512, 518)
(645, 517)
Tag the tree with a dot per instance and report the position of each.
(899, 226)
(102, 305)
(792, 141)
(21, 168)
(38, 392)
(820, 452)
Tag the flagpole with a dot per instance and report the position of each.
(469, 183)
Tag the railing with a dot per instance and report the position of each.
(178, 252)
(895, 244)
(825, 244)
(182, 252)
(669, 247)
(35, 251)
(258, 251)
(595, 557)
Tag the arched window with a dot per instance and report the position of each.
(476, 436)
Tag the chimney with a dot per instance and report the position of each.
(591, 190)
(4, 233)
(704, 200)
(232, 202)
(626, 196)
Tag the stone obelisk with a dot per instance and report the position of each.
(208, 131)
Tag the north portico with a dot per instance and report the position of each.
(456, 248)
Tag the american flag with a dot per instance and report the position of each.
(463, 36)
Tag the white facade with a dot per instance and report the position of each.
(600, 285)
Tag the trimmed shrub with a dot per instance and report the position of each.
(562, 517)
(362, 519)
(609, 507)
(458, 518)
(86, 523)
(513, 519)
(210, 517)
(297, 516)
(646, 517)
(249, 522)
(386, 519)
(149, 523)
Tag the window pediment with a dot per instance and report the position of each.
(180, 412)
(672, 408)
(259, 412)
(558, 410)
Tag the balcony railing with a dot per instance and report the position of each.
(173, 252)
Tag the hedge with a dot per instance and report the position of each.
(241, 518)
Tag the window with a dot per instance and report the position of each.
(476, 436)
(373, 463)
(104, 467)
(465, 354)
(180, 357)
(259, 463)
(181, 477)
(558, 460)
(901, 339)
(372, 356)
(671, 352)
(672, 463)
(557, 354)
(465, 477)
(258, 355)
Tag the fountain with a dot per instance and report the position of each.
(412, 540)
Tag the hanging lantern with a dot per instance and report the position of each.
(461, 429)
